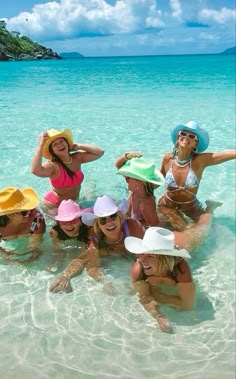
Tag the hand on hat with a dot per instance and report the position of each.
(133, 154)
(43, 137)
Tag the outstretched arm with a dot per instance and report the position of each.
(210, 159)
(150, 304)
(62, 282)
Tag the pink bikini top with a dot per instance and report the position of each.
(65, 181)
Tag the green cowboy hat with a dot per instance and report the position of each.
(142, 169)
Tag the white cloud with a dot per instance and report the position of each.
(79, 18)
(221, 16)
(176, 8)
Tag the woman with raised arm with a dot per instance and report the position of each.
(183, 169)
(142, 178)
(63, 167)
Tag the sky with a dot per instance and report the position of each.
(125, 27)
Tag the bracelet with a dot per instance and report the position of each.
(126, 156)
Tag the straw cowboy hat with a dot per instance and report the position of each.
(68, 210)
(104, 206)
(192, 126)
(156, 240)
(141, 169)
(54, 134)
(14, 200)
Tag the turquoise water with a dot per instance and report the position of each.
(120, 104)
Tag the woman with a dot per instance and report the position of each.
(68, 229)
(142, 179)
(21, 224)
(161, 263)
(107, 238)
(110, 228)
(184, 167)
(63, 167)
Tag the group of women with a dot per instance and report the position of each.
(161, 233)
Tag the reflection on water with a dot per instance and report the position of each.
(104, 334)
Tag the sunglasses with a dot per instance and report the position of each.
(185, 134)
(103, 220)
(75, 221)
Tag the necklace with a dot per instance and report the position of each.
(181, 165)
(182, 162)
(118, 241)
(69, 161)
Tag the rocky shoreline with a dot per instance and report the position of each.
(15, 47)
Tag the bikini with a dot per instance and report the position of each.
(16, 248)
(63, 181)
(191, 181)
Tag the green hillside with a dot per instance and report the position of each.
(14, 46)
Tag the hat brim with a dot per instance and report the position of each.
(89, 218)
(202, 135)
(65, 133)
(136, 246)
(31, 201)
(72, 217)
(158, 179)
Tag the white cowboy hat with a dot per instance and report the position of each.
(104, 206)
(156, 240)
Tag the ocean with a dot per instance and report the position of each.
(120, 104)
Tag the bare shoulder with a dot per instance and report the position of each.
(135, 228)
(168, 156)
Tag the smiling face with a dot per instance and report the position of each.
(187, 139)
(71, 228)
(110, 226)
(59, 146)
(149, 263)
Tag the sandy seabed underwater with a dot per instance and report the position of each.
(120, 104)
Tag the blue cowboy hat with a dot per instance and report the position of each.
(192, 126)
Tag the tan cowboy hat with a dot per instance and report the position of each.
(14, 200)
(54, 134)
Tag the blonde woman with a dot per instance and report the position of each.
(160, 262)
(110, 228)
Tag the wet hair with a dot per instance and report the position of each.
(169, 264)
(101, 238)
(82, 236)
(59, 160)
(4, 221)
(149, 188)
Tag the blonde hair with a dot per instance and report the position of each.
(100, 235)
(167, 263)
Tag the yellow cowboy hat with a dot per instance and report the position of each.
(14, 200)
(54, 134)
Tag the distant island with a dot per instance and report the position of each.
(15, 47)
(72, 55)
(231, 50)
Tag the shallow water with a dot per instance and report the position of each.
(120, 104)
